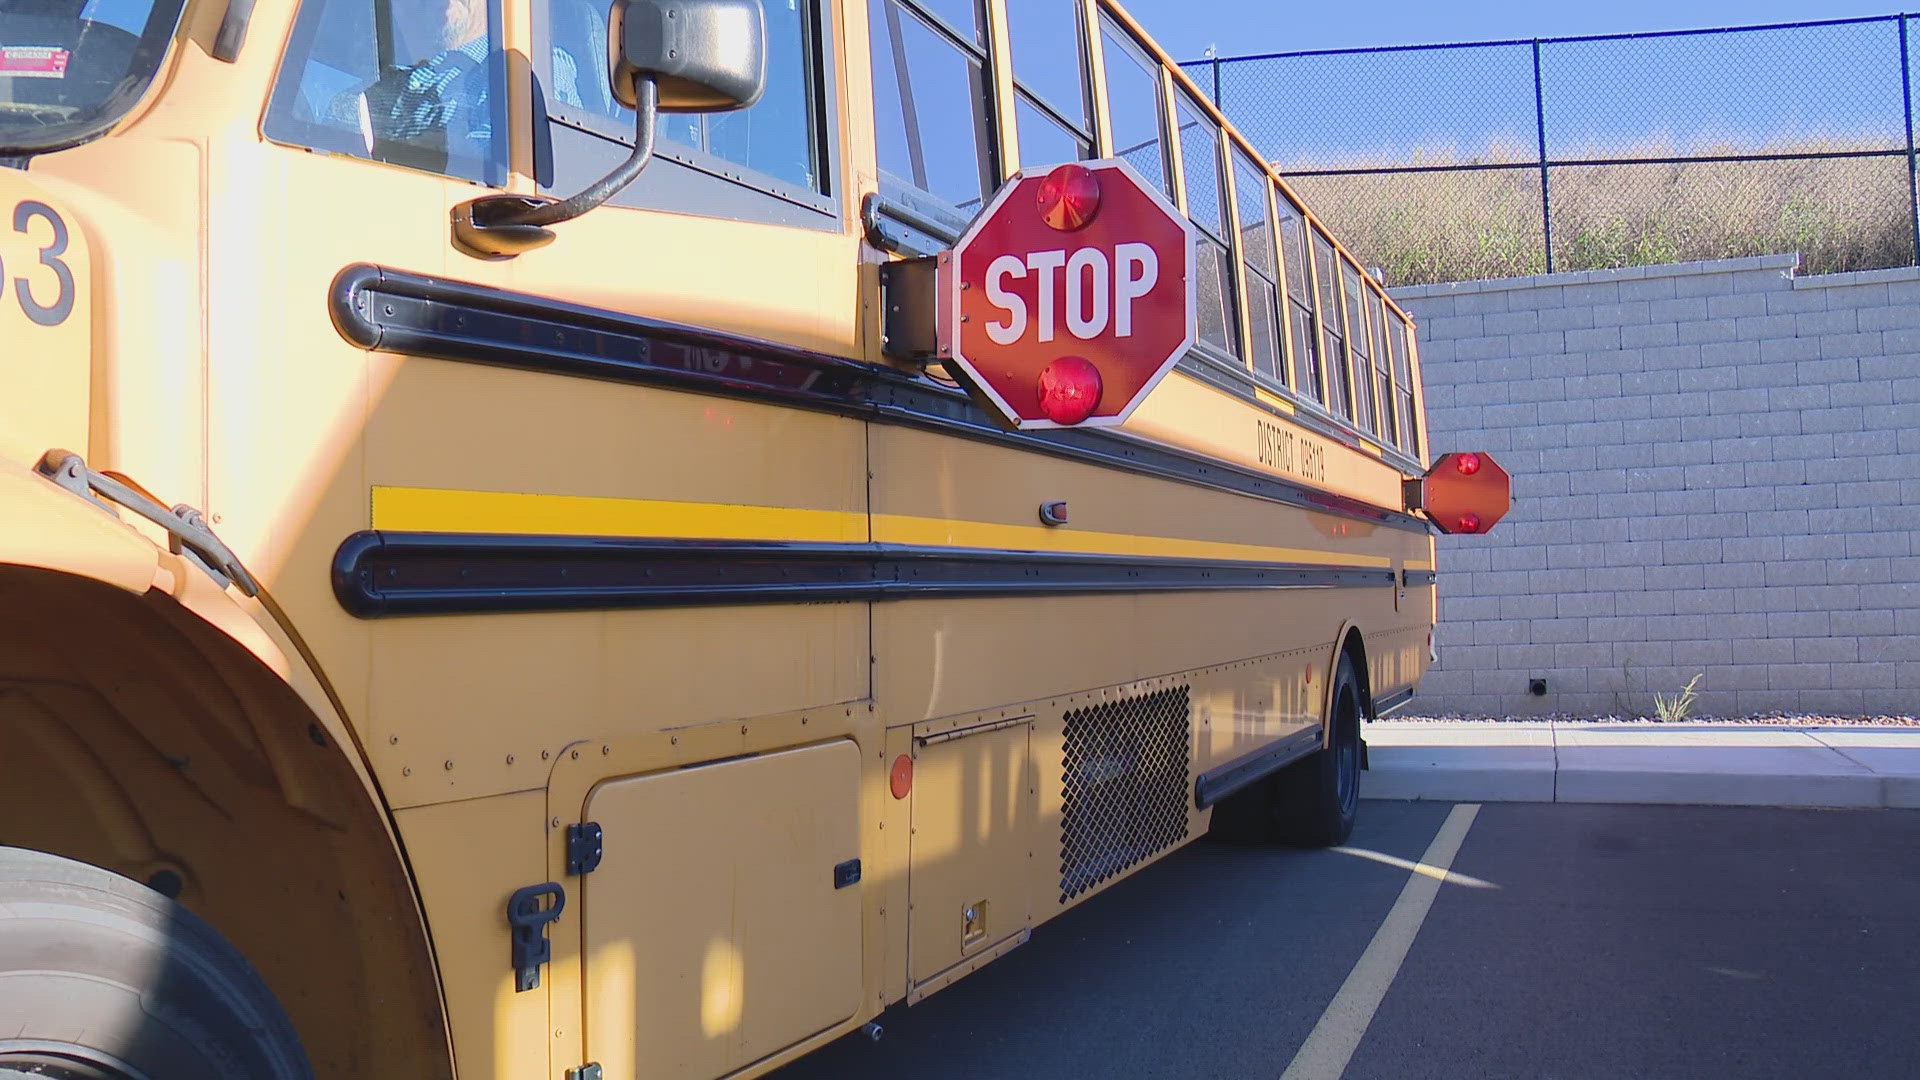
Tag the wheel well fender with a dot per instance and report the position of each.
(173, 738)
(1352, 644)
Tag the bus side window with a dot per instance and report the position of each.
(1052, 103)
(418, 83)
(1293, 252)
(1333, 327)
(1133, 105)
(1256, 247)
(930, 103)
(1362, 349)
(708, 162)
(1213, 261)
(1382, 366)
(1403, 385)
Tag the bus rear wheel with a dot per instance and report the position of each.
(106, 979)
(1313, 801)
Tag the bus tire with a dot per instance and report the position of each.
(106, 979)
(1314, 800)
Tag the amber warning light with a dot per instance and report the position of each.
(1462, 493)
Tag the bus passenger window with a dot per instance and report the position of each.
(930, 111)
(418, 83)
(1044, 141)
(1051, 110)
(1382, 364)
(1333, 345)
(1305, 339)
(1403, 383)
(1219, 317)
(1256, 247)
(1357, 335)
(1133, 106)
(779, 137)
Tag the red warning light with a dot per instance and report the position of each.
(1468, 464)
(1469, 523)
(1069, 197)
(1069, 389)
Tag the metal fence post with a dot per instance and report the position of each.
(1216, 76)
(1540, 128)
(1906, 107)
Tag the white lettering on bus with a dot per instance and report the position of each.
(1096, 290)
(998, 271)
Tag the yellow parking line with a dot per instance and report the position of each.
(1330, 1046)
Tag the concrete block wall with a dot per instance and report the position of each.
(1716, 472)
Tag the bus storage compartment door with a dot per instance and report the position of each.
(973, 848)
(719, 926)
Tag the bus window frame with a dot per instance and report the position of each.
(1222, 357)
(1303, 305)
(1386, 410)
(686, 179)
(1013, 93)
(1353, 293)
(1154, 67)
(1244, 271)
(1417, 438)
(995, 128)
(498, 166)
(1328, 295)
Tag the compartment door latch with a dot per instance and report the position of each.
(528, 913)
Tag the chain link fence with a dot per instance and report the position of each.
(1507, 158)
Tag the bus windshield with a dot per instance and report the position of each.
(70, 68)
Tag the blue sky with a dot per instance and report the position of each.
(1186, 27)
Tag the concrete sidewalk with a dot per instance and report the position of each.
(1697, 764)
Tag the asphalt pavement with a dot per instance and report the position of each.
(1562, 940)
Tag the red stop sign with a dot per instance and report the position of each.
(1072, 295)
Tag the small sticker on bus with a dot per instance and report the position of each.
(33, 61)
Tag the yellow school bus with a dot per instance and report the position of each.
(460, 615)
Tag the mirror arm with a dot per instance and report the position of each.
(501, 225)
(647, 94)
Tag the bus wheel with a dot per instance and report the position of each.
(105, 979)
(1313, 801)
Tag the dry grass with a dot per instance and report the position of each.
(1838, 214)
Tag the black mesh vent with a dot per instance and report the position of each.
(1125, 776)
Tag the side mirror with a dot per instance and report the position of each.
(705, 55)
(665, 56)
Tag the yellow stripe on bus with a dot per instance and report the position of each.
(404, 509)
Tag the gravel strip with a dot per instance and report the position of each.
(1770, 719)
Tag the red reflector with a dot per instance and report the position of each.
(1469, 522)
(1468, 464)
(1069, 389)
(900, 780)
(1068, 197)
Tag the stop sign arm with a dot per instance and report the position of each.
(911, 305)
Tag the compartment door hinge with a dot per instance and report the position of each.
(583, 848)
(589, 1071)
